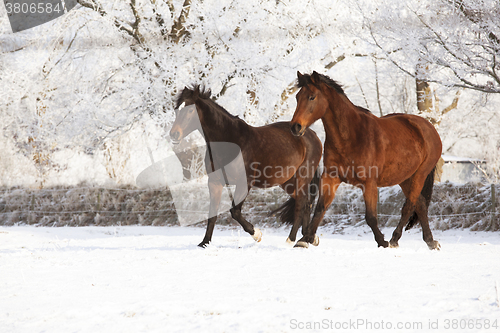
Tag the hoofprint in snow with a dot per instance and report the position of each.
(155, 279)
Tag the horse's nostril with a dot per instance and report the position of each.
(175, 135)
(296, 128)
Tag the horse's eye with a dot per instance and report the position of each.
(312, 97)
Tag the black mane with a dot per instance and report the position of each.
(192, 93)
(197, 94)
(305, 80)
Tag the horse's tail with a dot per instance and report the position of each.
(427, 194)
(286, 212)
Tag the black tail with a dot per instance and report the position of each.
(427, 194)
(286, 212)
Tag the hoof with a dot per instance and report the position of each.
(302, 244)
(257, 235)
(434, 245)
(383, 244)
(289, 242)
(316, 240)
(203, 244)
(393, 245)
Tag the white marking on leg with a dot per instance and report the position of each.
(302, 244)
(257, 235)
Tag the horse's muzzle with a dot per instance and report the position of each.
(297, 129)
(175, 137)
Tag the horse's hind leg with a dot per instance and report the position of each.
(415, 202)
(305, 215)
(421, 209)
(301, 208)
(406, 212)
(370, 196)
(296, 223)
(422, 213)
(247, 226)
(301, 216)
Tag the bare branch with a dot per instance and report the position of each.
(133, 32)
(65, 52)
(474, 18)
(135, 26)
(178, 29)
(441, 41)
(159, 19)
(463, 59)
(453, 104)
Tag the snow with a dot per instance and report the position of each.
(155, 279)
(449, 158)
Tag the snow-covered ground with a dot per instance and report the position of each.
(155, 279)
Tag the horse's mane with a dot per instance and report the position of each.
(305, 80)
(197, 93)
(363, 109)
(192, 93)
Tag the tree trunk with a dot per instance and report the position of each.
(424, 97)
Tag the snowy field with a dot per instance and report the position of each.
(155, 279)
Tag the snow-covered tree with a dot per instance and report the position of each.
(108, 69)
(451, 42)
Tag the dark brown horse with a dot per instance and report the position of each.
(369, 152)
(271, 156)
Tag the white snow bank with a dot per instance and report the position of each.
(155, 279)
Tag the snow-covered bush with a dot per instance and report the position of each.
(453, 206)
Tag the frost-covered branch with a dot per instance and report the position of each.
(131, 30)
(179, 30)
(455, 38)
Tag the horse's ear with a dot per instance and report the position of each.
(315, 78)
(301, 80)
(196, 91)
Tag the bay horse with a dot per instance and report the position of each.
(271, 156)
(369, 152)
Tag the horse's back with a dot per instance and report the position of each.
(284, 127)
(272, 150)
(424, 131)
(411, 139)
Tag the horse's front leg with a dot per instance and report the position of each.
(328, 188)
(247, 226)
(239, 196)
(370, 195)
(215, 189)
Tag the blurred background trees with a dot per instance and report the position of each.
(94, 89)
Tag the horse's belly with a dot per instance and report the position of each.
(394, 174)
(268, 176)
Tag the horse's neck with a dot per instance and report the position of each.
(224, 129)
(339, 121)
